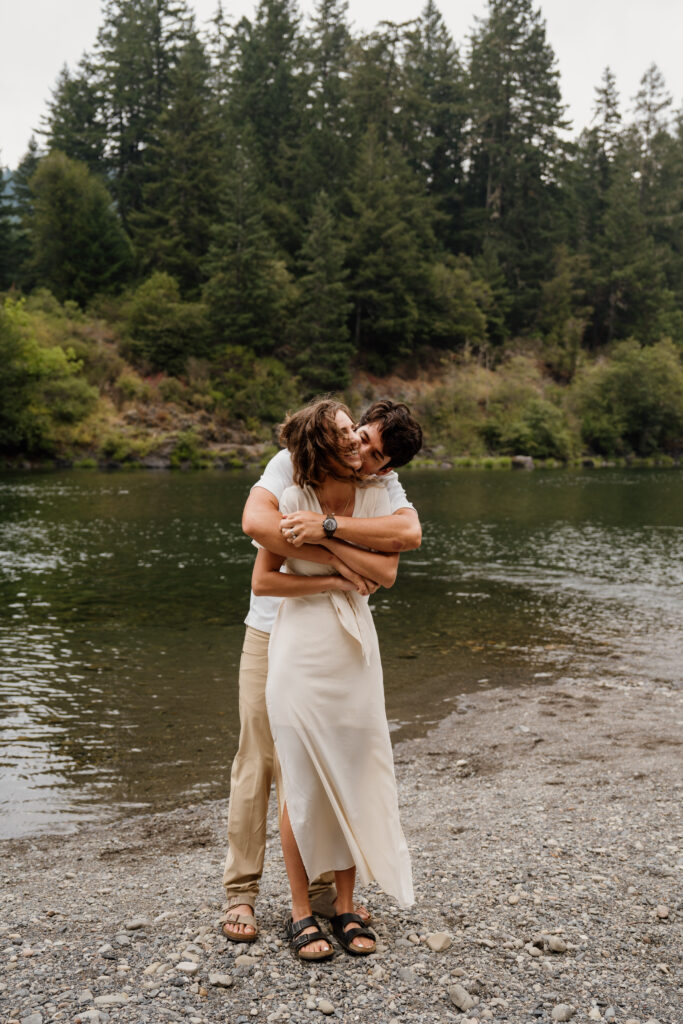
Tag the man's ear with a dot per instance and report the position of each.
(386, 469)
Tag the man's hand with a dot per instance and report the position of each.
(303, 528)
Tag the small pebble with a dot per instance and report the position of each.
(220, 980)
(438, 942)
(562, 1012)
(325, 1006)
(662, 912)
(556, 944)
(111, 999)
(187, 967)
(136, 923)
(461, 998)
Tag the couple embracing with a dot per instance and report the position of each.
(329, 517)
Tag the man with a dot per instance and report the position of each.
(389, 437)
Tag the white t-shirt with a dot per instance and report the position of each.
(276, 478)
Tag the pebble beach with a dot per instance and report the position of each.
(545, 829)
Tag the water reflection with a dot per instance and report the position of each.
(122, 599)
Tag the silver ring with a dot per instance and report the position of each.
(293, 535)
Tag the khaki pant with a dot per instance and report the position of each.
(253, 770)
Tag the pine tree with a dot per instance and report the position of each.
(137, 48)
(515, 146)
(326, 151)
(323, 346)
(247, 286)
(390, 242)
(22, 207)
(78, 246)
(7, 253)
(269, 100)
(432, 116)
(74, 123)
(179, 192)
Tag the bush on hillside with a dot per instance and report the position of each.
(634, 402)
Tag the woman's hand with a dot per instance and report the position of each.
(302, 528)
(356, 581)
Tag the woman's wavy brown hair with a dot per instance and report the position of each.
(315, 441)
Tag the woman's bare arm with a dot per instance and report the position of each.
(268, 581)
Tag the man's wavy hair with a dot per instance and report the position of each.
(316, 443)
(400, 432)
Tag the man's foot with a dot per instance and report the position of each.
(240, 924)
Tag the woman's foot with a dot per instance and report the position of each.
(237, 930)
(360, 942)
(317, 948)
(354, 937)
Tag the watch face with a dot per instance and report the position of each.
(329, 524)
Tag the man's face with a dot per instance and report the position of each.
(373, 459)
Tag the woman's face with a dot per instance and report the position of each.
(345, 424)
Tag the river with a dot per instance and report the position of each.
(122, 598)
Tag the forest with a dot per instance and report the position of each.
(223, 222)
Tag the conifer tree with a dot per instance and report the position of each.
(22, 207)
(137, 48)
(7, 259)
(78, 246)
(432, 116)
(515, 146)
(326, 153)
(246, 285)
(323, 348)
(74, 123)
(390, 241)
(269, 100)
(180, 183)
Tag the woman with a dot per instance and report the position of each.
(325, 696)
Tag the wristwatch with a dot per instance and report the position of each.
(329, 526)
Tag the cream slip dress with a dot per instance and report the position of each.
(325, 700)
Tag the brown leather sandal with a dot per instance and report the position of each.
(234, 936)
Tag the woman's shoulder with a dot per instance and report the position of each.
(296, 498)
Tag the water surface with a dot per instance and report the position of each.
(122, 598)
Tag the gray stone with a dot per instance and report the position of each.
(533, 950)
(85, 996)
(407, 975)
(245, 961)
(662, 912)
(220, 980)
(556, 944)
(92, 1016)
(461, 998)
(122, 939)
(563, 1011)
(438, 942)
(325, 1006)
(112, 999)
(187, 967)
(34, 1018)
(610, 1013)
(136, 923)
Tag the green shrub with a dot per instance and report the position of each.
(252, 389)
(164, 332)
(40, 388)
(633, 402)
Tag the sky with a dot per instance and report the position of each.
(37, 37)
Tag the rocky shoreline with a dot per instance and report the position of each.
(544, 825)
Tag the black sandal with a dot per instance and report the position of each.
(345, 938)
(298, 941)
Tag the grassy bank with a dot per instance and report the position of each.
(73, 391)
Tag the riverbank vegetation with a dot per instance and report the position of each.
(219, 223)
